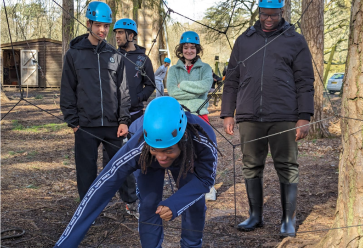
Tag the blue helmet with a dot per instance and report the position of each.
(164, 122)
(99, 12)
(126, 24)
(190, 37)
(271, 4)
(167, 60)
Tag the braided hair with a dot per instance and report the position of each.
(187, 155)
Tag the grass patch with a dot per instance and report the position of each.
(32, 154)
(31, 186)
(17, 125)
(65, 163)
(51, 127)
(38, 97)
(11, 153)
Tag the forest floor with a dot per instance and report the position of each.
(39, 193)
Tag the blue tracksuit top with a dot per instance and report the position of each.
(124, 163)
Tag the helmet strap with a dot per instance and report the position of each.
(127, 40)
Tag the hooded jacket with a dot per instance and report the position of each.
(193, 88)
(124, 163)
(160, 73)
(274, 84)
(94, 90)
(140, 86)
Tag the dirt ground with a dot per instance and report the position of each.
(39, 194)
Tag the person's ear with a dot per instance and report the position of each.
(131, 36)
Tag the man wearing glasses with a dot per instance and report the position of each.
(271, 91)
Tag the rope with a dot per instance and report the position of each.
(73, 126)
(11, 109)
(154, 41)
(16, 229)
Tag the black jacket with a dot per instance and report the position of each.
(94, 90)
(276, 83)
(140, 86)
(215, 76)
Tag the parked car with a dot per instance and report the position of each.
(335, 83)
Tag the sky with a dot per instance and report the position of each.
(193, 9)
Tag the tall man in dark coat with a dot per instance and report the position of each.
(270, 92)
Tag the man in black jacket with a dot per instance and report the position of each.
(94, 95)
(140, 86)
(270, 92)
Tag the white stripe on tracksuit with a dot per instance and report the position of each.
(204, 141)
(96, 185)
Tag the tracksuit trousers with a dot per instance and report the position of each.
(150, 192)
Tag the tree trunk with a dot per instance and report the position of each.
(349, 210)
(312, 26)
(135, 11)
(67, 25)
(111, 38)
(331, 56)
(253, 17)
(287, 11)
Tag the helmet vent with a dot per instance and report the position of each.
(145, 133)
(94, 13)
(179, 128)
(180, 121)
(174, 133)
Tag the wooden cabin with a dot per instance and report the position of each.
(39, 63)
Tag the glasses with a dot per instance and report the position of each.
(264, 16)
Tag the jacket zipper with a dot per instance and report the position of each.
(263, 64)
(99, 76)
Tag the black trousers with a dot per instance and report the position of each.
(283, 149)
(128, 188)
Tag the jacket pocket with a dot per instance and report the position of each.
(244, 82)
(112, 72)
(245, 97)
(284, 75)
(283, 101)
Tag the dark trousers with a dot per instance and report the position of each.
(150, 192)
(283, 150)
(128, 188)
(86, 153)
